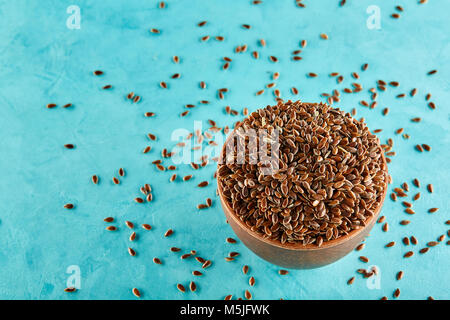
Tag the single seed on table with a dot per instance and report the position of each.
(408, 254)
(129, 224)
(430, 188)
(131, 252)
(168, 233)
(390, 244)
(245, 269)
(197, 273)
(283, 272)
(146, 226)
(68, 105)
(185, 256)
(69, 206)
(364, 259)
(248, 295)
(413, 240)
(98, 72)
(251, 281)
(69, 146)
(95, 179)
(115, 180)
(423, 250)
(229, 259)
(228, 297)
(324, 36)
(360, 246)
(70, 289)
(432, 210)
(203, 184)
(51, 105)
(432, 72)
(181, 287)
(157, 261)
(396, 293)
(410, 211)
(206, 264)
(385, 227)
(192, 286)
(111, 228)
(139, 200)
(351, 280)
(133, 236)
(108, 219)
(200, 259)
(432, 243)
(406, 241)
(399, 275)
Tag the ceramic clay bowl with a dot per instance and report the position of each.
(297, 256)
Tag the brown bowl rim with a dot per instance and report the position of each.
(299, 246)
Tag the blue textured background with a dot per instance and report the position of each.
(42, 61)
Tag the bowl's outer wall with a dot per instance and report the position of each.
(296, 259)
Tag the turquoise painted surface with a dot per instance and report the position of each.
(42, 61)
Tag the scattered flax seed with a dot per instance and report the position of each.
(248, 295)
(413, 240)
(399, 275)
(245, 269)
(156, 31)
(410, 211)
(381, 219)
(132, 236)
(139, 200)
(70, 289)
(351, 280)
(419, 148)
(404, 222)
(69, 146)
(424, 250)
(430, 188)
(396, 293)
(115, 180)
(364, 259)
(131, 252)
(202, 23)
(95, 179)
(181, 287)
(231, 240)
(51, 105)
(364, 67)
(121, 172)
(432, 72)
(426, 147)
(108, 219)
(98, 72)
(416, 196)
(197, 273)
(405, 241)
(192, 286)
(206, 264)
(111, 228)
(68, 105)
(433, 210)
(129, 224)
(203, 184)
(385, 227)
(324, 36)
(157, 261)
(360, 246)
(273, 58)
(432, 243)
(312, 75)
(416, 119)
(390, 244)
(408, 254)
(385, 111)
(69, 206)
(228, 297)
(283, 272)
(168, 233)
(146, 226)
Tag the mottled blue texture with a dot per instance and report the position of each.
(43, 61)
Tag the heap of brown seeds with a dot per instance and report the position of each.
(331, 175)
